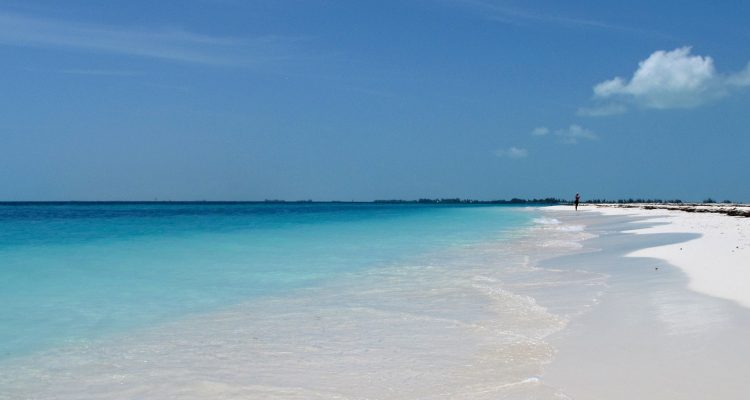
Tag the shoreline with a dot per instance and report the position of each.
(717, 262)
(560, 308)
(656, 333)
(443, 324)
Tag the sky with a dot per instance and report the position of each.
(364, 100)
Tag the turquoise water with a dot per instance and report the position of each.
(76, 272)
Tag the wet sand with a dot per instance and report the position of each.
(650, 336)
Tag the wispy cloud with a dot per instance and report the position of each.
(741, 78)
(603, 110)
(540, 131)
(512, 153)
(569, 135)
(100, 72)
(501, 12)
(574, 133)
(167, 44)
(673, 79)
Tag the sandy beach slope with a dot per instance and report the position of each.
(717, 263)
(673, 321)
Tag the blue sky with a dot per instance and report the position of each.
(363, 100)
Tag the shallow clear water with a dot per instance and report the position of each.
(281, 300)
(77, 271)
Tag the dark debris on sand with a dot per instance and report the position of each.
(738, 210)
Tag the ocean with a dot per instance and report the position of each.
(281, 300)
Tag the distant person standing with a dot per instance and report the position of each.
(578, 199)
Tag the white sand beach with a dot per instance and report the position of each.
(673, 321)
(717, 262)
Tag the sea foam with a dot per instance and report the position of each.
(466, 318)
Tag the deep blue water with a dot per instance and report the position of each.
(73, 272)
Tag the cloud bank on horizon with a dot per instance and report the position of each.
(667, 80)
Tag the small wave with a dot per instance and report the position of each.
(565, 244)
(546, 221)
(534, 380)
(570, 228)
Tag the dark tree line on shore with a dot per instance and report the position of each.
(548, 200)
(652, 201)
(631, 201)
(515, 200)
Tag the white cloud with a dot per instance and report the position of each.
(573, 133)
(672, 79)
(602, 110)
(512, 152)
(540, 131)
(667, 79)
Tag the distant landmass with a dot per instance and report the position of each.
(515, 200)
(548, 200)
